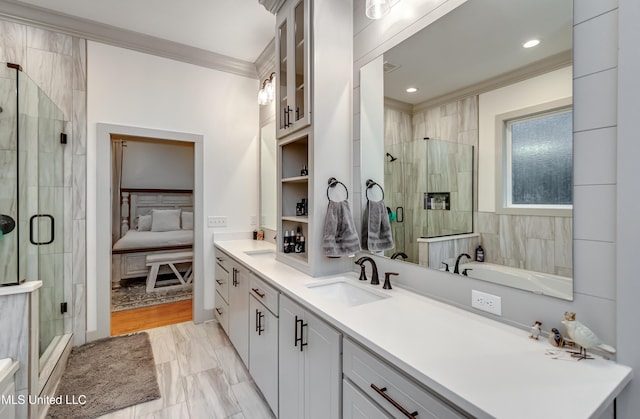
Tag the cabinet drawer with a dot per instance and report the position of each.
(367, 371)
(356, 405)
(222, 281)
(264, 293)
(222, 312)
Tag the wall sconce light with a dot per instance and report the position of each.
(267, 92)
(376, 9)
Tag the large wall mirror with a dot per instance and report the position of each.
(268, 178)
(469, 132)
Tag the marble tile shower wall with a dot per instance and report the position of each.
(57, 64)
(407, 178)
(541, 244)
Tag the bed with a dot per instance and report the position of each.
(131, 246)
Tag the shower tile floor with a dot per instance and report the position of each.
(200, 376)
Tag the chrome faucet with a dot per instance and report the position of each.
(374, 268)
(456, 269)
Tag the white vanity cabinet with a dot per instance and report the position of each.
(239, 310)
(393, 393)
(310, 374)
(222, 269)
(232, 302)
(263, 339)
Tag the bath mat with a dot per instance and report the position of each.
(106, 375)
(133, 294)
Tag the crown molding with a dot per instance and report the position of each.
(272, 5)
(99, 32)
(554, 62)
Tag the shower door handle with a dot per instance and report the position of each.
(31, 229)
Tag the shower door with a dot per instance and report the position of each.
(32, 194)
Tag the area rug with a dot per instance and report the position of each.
(106, 375)
(133, 294)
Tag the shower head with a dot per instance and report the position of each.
(391, 158)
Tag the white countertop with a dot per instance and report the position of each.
(488, 368)
(28, 286)
(7, 368)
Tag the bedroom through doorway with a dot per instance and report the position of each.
(152, 193)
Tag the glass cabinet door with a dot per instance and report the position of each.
(293, 67)
(300, 62)
(283, 108)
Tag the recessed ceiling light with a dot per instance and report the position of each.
(531, 43)
(412, 90)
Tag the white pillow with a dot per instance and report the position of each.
(144, 222)
(187, 220)
(165, 220)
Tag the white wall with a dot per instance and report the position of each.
(157, 165)
(134, 89)
(534, 91)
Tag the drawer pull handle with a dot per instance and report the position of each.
(257, 291)
(219, 311)
(299, 338)
(381, 391)
(220, 282)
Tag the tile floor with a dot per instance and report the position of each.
(200, 376)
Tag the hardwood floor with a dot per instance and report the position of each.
(138, 319)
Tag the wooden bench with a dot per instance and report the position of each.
(154, 261)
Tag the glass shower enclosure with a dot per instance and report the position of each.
(33, 189)
(429, 191)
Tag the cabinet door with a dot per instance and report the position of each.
(356, 405)
(239, 311)
(323, 375)
(310, 373)
(300, 15)
(293, 76)
(263, 351)
(291, 363)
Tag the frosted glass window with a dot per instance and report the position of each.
(540, 160)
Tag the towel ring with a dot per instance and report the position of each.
(370, 184)
(332, 183)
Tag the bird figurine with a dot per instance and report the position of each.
(535, 330)
(555, 338)
(584, 337)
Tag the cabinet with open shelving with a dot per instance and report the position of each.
(294, 191)
(312, 148)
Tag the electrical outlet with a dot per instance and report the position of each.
(486, 302)
(215, 222)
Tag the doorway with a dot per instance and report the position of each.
(104, 217)
(151, 232)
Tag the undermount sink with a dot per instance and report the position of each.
(344, 291)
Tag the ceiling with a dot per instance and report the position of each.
(476, 42)
(240, 29)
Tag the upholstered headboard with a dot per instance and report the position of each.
(136, 202)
